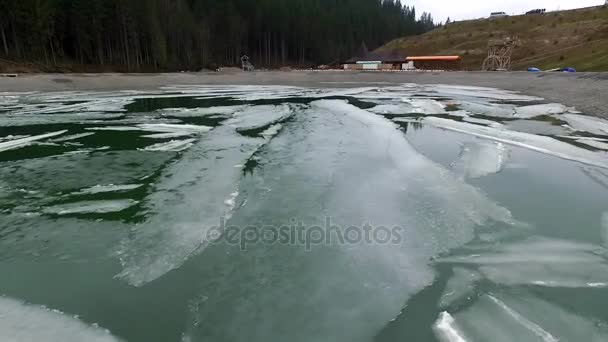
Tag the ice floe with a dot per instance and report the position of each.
(505, 317)
(272, 131)
(18, 143)
(259, 117)
(541, 262)
(593, 143)
(159, 127)
(90, 207)
(171, 128)
(16, 120)
(586, 123)
(185, 205)
(196, 112)
(525, 112)
(426, 106)
(73, 137)
(479, 92)
(394, 109)
(169, 135)
(172, 146)
(533, 142)
(22, 322)
(488, 109)
(98, 189)
(480, 159)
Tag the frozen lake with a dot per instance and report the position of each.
(272, 213)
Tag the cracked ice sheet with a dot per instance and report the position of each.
(541, 262)
(479, 159)
(427, 107)
(461, 284)
(488, 109)
(533, 142)
(393, 109)
(479, 92)
(27, 323)
(259, 117)
(400, 186)
(185, 204)
(524, 318)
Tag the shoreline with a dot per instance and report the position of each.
(584, 91)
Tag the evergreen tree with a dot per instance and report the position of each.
(190, 34)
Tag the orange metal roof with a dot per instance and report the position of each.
(433, 58)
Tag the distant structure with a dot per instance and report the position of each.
(246, 64)
(376, 61)
(539, 11)
(499, 55)
(451, 63)
(395, 61)
(495, 15)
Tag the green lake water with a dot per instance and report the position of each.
(269, 213)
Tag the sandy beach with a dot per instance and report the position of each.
(585, 91)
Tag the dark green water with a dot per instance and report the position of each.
(247, 213)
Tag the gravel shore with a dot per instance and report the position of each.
(588, 92)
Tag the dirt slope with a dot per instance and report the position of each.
(576, 38)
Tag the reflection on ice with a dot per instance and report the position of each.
(27, 323)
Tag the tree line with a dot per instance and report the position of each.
(191, 34)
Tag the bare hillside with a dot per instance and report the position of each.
(576, 38)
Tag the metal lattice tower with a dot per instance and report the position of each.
(499, 55)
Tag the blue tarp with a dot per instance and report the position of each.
(532, 69)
